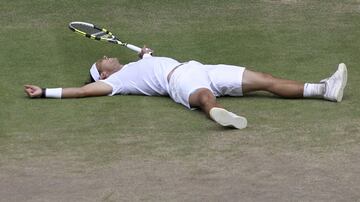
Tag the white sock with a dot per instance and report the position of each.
(314, 89)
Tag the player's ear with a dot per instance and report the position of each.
(104, 75)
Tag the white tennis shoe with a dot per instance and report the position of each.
(334, 86)
(226, 118)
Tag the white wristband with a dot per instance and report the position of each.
(147, 55)
(53, 92)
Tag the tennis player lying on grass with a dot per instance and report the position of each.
(192, 84)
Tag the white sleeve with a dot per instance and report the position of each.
(113, 86)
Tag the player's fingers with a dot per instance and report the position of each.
(28, 92)
(29, 86)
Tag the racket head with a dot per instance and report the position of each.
(92, 31)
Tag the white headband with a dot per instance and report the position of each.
(94, 72)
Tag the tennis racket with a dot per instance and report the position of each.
(93, 32)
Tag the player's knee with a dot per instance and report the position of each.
(268, 80)
(202, 97)
(266, 76)
(254, 81)
(206, 97)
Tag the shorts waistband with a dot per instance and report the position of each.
(172, 71)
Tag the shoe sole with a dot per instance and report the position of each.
(224, 118)
(343, 69)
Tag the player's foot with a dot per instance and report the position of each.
(334, 86)
(226, 118)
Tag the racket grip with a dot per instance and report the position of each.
(134, 48)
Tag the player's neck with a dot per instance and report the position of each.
(120, 67)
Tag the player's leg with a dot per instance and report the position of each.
(258, 81)
(331, 88)
(196, 92)
(235, 81)
(204, 99)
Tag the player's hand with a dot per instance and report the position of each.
(145, 50)
(33, 91)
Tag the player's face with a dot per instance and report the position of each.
(108, 65)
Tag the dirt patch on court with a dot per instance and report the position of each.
(251, 175)
(351, 7)
(283, 1)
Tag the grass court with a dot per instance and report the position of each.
(137, 148)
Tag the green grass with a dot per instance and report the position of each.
(301, 40)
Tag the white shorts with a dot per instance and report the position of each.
(219, 79)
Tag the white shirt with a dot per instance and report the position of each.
(147, 76)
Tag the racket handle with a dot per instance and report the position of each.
(134, 48)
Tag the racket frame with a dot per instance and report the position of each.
(112, 39)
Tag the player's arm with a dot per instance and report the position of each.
(93, 89)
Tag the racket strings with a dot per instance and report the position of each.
(93, 31)
(103, 35)
(86, 29)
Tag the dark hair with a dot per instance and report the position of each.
(90, 80)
